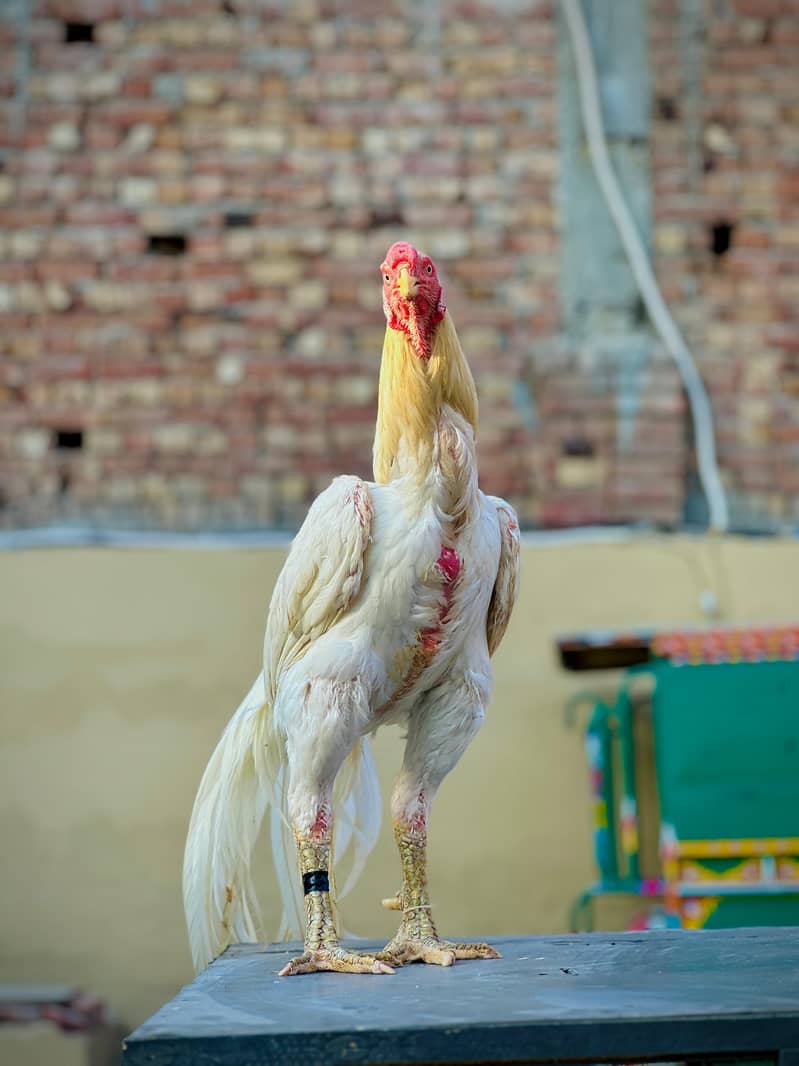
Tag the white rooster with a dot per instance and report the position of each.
(393, 597)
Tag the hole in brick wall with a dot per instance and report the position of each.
(228, 7)
(721, 234)
(68, 439)
(577, 446)
(79, 32)
(667, 109)
(709, 163)
(386, 217)
(167, 244)
(238, 219)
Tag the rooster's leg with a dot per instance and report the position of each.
(322, 948)
(438, 735)
(318, 740)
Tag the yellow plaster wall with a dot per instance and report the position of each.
(119, 668)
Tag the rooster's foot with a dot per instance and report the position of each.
(432, 949)
(334, 957)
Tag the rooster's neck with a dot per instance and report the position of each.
(426, 421)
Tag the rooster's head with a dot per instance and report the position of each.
(412, 298)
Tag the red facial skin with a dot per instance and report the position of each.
(417, 315)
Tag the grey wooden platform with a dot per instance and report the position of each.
(596, 997)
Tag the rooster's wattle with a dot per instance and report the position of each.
(393, 597)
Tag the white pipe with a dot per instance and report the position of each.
(659, 314)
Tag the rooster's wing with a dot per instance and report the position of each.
(321, 576)
(507, 583)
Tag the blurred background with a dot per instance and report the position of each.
(195, 198)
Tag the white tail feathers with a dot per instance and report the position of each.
(246, 775)
(218, 895)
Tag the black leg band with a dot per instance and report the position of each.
(315, 881)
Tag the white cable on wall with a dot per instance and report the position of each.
(659, 313)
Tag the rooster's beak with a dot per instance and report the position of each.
(407, 284)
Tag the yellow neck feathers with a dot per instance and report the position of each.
(411, 394)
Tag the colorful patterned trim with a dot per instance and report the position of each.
(765, 644)
(696, 912)
(700, 889)
(765, 866)
(731, 849)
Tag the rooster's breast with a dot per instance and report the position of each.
(424, 600)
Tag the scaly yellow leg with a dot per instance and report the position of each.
(322, 948)
(417, 939)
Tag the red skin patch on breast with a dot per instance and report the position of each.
(449, 564)
(430, 639)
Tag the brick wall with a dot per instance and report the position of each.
(194, 204)
(725, 168)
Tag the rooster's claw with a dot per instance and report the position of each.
(336, 959)
(432, 949)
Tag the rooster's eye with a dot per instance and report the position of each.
(429, 269)
(387, 277)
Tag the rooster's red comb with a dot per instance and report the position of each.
(402, 252)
